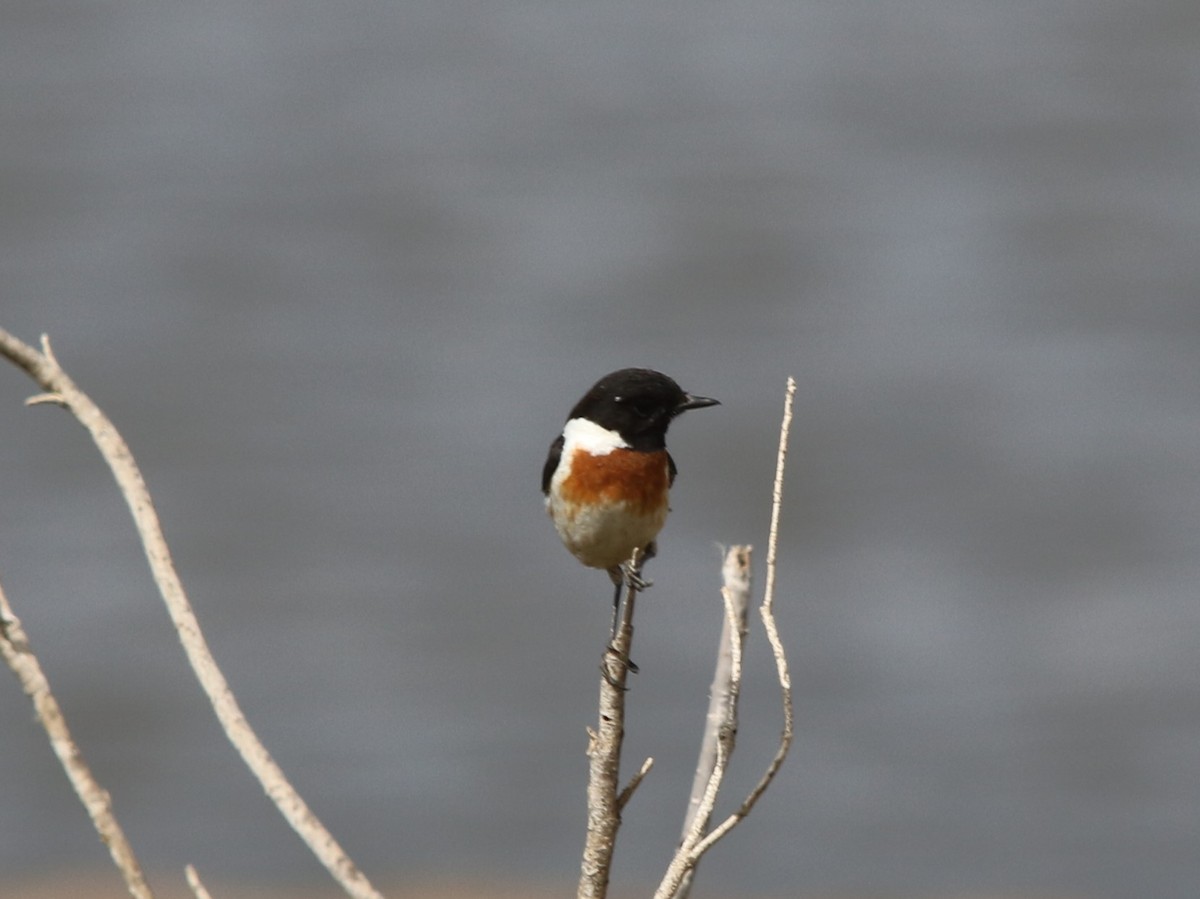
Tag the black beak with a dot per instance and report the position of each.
(695, 402)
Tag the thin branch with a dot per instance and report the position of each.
(14, 647)
(604, 753)
(45, 370)
(721, 721)
(685, 860)
(634, 783)
(197, 885)
(767, 611)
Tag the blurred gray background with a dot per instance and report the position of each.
(338, 271)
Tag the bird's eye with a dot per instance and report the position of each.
(644, 408)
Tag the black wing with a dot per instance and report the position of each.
(671, 471)
(556, 449)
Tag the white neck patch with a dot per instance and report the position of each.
(580, 433)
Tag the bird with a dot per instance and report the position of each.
(607, 475)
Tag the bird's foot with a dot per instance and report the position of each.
(632, 577)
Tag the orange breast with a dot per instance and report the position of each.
(639, 479)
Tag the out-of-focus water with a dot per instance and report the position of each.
(339, 270)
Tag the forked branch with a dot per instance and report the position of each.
(695, 841)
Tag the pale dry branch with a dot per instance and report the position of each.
(634, 783)
(686, 857)
(14, 647)
(720, 728)
(194, 882)
(59, 388)
(604, 753)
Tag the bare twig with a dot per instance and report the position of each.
(720, 728)
(604, 754)
(14, 647)
(634, 783)
(688, 855)
(60, 389)
(196, 884)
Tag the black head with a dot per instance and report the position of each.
(638, 404)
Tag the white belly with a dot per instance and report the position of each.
(603, 536)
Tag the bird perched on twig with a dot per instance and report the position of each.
(607, 476)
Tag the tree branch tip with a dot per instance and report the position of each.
(194, 882)
(44, 399)
(46, 350)
(634, 783)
